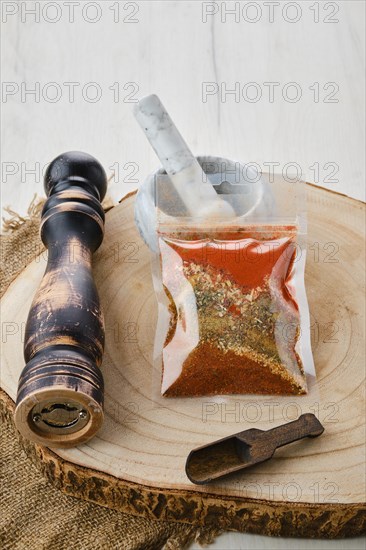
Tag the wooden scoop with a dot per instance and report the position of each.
(245, 449)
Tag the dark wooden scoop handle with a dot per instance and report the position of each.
(307, 425)
(60, 392)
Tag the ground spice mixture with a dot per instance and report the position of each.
(234, 319)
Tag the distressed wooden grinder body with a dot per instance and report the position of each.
(60, 392)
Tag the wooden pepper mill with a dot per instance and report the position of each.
(60, 392)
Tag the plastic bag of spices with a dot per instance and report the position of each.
(233, 315)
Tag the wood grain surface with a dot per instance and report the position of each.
(136, 462)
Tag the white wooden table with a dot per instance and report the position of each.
(278, 84)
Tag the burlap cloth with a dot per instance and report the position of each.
(35, 514)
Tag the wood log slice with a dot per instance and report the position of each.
(313, 488)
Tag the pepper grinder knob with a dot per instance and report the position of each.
(60, 393)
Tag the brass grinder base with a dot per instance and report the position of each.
(58, 404)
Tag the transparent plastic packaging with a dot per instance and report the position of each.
(233, 315)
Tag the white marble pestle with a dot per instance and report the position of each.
(185, 173)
